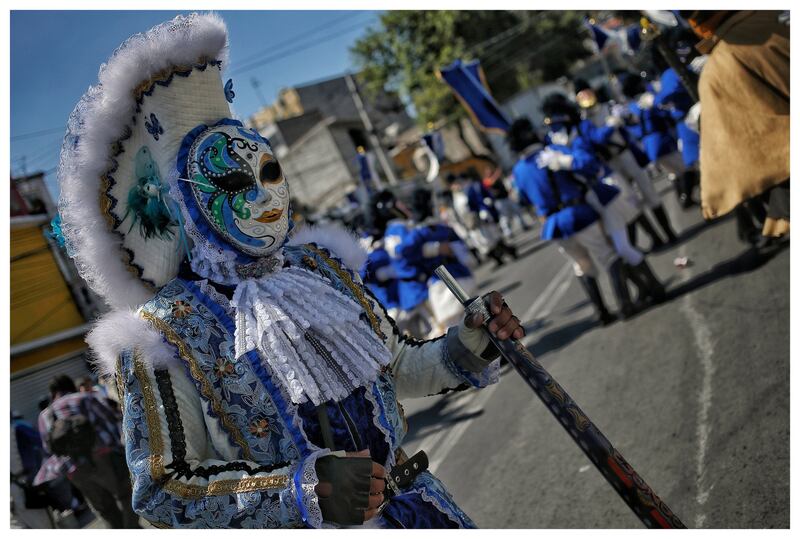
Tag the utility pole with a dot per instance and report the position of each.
(373, 138)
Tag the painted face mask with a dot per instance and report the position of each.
(240, 188)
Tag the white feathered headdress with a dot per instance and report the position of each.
(122, 139)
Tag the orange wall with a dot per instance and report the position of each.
(41, 303)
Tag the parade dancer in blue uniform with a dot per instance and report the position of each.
(601, 127)
(566, 214)
(394, 218)
(417, 245)
(673, 97)
(258, 377)
(560, 181)
(654, 127)
(481, 204)
(431, 244)
(379, 274)
(566, 128)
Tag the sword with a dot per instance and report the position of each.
(629, 485)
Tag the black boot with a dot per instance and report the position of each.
(477, 254)
(645, 278)
(632, 234)
(510, 249)
(496, 254)
(642, 290)
(685, 186)
(663, 221)
(655, 239)
(593, 291)
(618, 275)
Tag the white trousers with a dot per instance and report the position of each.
(626, 165)
(587, 249)
(615, 217)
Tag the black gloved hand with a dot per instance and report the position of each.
(344, 488)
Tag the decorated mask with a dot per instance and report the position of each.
(239, 187)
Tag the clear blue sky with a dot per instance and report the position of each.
(55, 56)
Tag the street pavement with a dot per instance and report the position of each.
(693, 392)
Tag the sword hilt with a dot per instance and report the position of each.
(471, 305)
(452, 284)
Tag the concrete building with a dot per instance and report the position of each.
(50, 306)
(316, 130)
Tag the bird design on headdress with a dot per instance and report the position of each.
(148, 202)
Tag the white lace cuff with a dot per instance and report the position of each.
(305, 479)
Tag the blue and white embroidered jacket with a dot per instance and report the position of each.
(676, 99)
(213, 441)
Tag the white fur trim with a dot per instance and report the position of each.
(123, 330)
(99, 119)
(337, 239)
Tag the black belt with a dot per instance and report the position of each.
(405, 471)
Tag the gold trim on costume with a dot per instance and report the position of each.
(120, 383)
(197, 374)
(354, 288)
(165, 74)
(154, 439)
(156, 444)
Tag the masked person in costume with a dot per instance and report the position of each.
(259, 378)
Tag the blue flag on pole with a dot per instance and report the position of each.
(599, 35)
(466, 82)
(627, 38)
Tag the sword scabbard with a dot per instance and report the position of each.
(653, 512)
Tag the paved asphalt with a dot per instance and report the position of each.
(693, 392)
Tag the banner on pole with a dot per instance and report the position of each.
(468, 83)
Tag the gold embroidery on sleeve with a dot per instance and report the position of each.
(197, 373)
(156, 443)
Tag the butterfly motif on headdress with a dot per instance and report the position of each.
(229, 94)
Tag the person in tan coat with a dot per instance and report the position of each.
(744, 127)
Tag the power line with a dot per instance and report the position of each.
(324, 26)
(297, 49)
(35, 134)
(247, 61)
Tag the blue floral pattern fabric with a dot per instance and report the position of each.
(158, 505)
(260, 423)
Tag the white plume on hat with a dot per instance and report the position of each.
(156, 87)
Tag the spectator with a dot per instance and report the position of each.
(97, 466)
(744, 127)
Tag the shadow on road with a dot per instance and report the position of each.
(536, 247)
(504, 290)
(561, 337)
(749, 260)
(436, 418)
